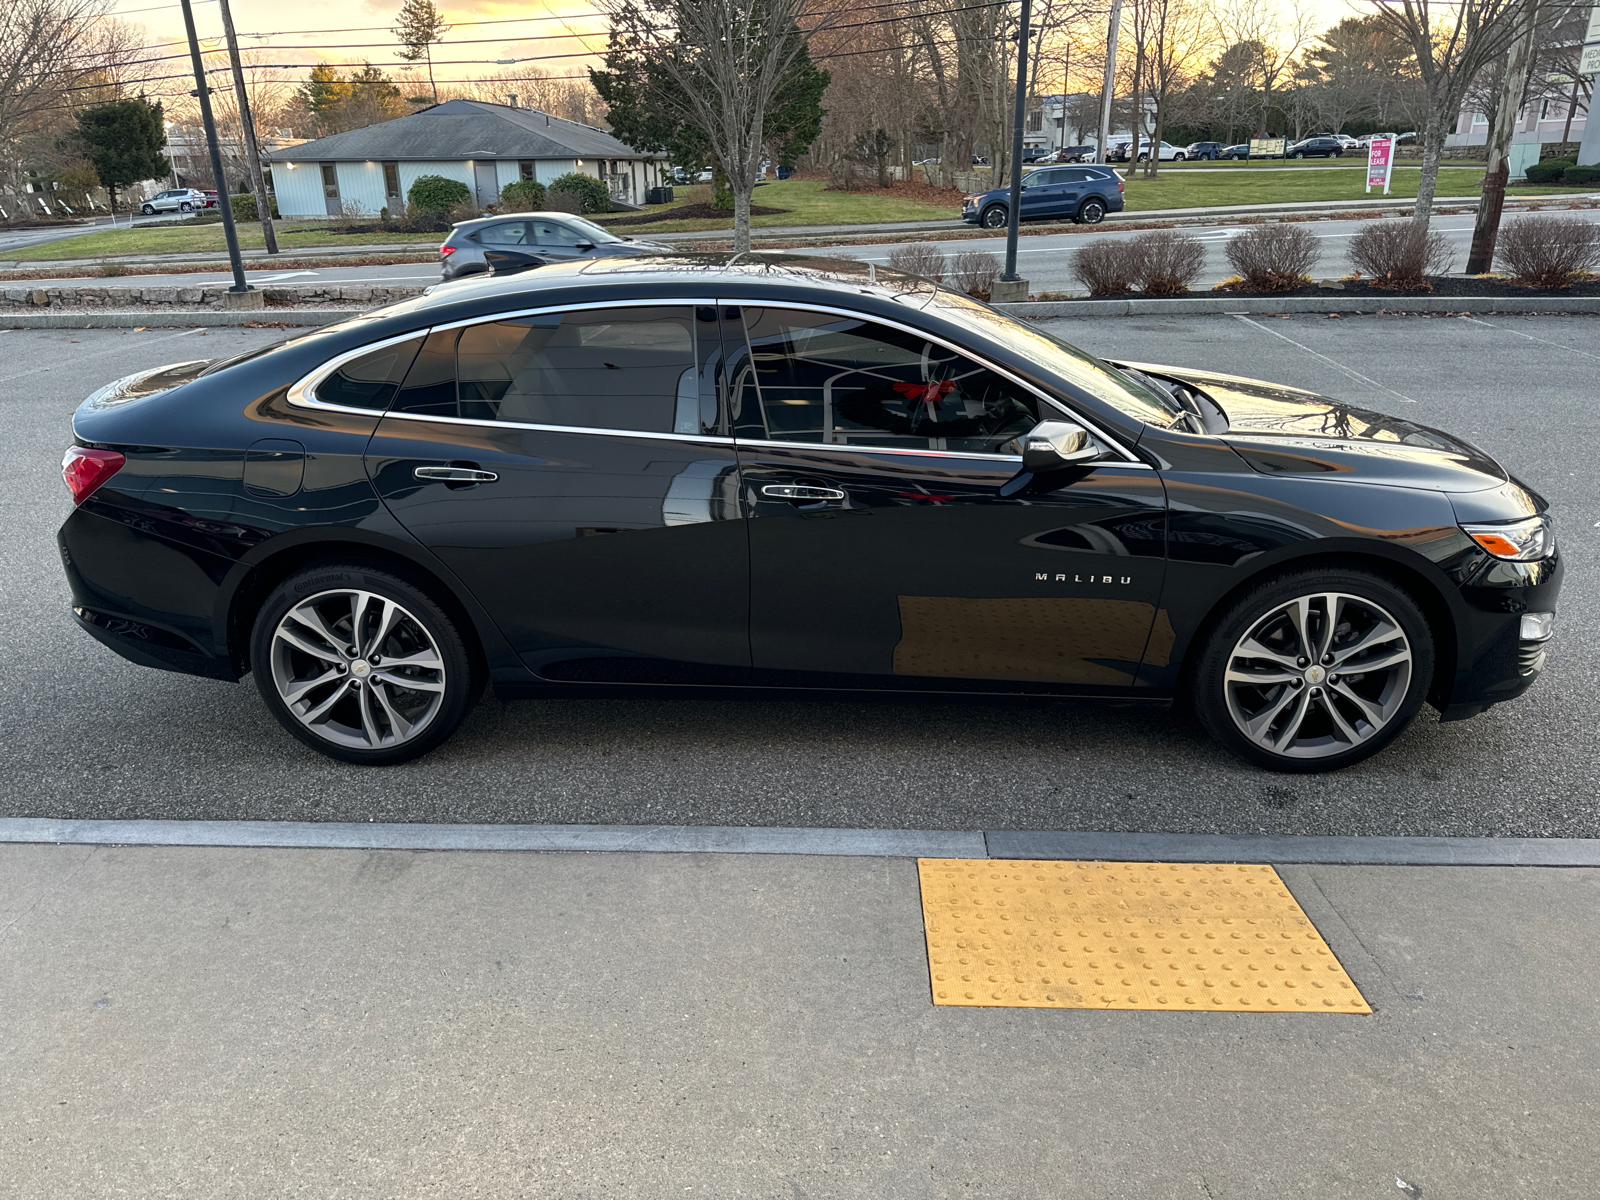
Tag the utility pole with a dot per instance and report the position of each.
(1066, 74)
(1015, 288)
(1110, 79)
(240, 287)
(1519, 62)
(247, 123)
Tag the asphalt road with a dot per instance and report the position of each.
(84, 734)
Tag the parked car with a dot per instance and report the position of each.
(177, 200)
(1120, 151)
(517, 241)
(1167, 152)
(589, 479)
(1083, 194)
(1236, 151)
(1314, 147)
(1205, 150)
(1075, 154)
(1034, 154)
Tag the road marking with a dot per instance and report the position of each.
(76, 358)
(1167, 937)
(1332, 362)
(283, 275)
(1531, 338)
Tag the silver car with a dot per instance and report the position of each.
(520, 240)
(174, 200)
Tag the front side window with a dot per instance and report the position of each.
(820, 377)
(554, 233)
(635, 369)
(370, 380)
(506, 233)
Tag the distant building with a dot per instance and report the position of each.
(1540, 121)
(1049, 123)
(485, 146)
(191, 161)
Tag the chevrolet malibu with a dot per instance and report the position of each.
(765, 472)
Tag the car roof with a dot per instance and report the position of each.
(478, 222)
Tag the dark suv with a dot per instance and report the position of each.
(1083, 194)
(522, 240)
(1315, 147)
(1207, 150)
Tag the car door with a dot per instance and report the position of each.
(1041, 196)
(556, 241)
(571, 468)
(886, 549)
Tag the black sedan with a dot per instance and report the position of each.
(784, 473)
(522, 240)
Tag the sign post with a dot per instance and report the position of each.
(1380, 163)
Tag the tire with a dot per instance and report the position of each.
(339, 696)
(1178, 158)
(147, 210)
(1091, 212)
(185, 207)
(993, 217)
(1258, 692)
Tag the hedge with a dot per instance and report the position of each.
(435, 193)
(244, 207)
(595, 196)
(1581, 175)
(1550, 170)
(525, 195)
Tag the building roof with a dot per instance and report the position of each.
(464, 129)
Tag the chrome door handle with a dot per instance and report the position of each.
(456, 474)
(800, 491)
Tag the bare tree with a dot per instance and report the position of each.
(45, 45)
(1453, 41)
(1172, 37)
(1275, 36)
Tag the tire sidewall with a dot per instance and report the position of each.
(1208, 698)
(983, 218)
(1092, 213)
(460, 686)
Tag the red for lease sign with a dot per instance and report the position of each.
(1380, 162)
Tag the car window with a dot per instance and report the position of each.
(821, 377)
(1078, 176)
(1044, 178)
(506, 233)
(371, 380)
(638, 369)
(554, 233)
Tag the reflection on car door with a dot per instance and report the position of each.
(883, 555)
(556, 242)
(572, 469)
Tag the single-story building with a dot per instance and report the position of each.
(485, 146)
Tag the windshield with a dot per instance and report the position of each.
(590, 230)
(1085, 371)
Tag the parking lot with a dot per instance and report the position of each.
(84, 734)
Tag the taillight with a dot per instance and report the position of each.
(85, 469)
(1120, 188)
(446, 250)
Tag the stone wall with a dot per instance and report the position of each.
(22, 296)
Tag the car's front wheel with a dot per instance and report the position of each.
(1178, 157)
(185, 207)
(1091, 212)
(1315, 670)
(993, 217)
(361, 664)
(147, 210)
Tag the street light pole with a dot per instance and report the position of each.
(1110, 79)
(1012, 217)
(206, 119)
(247, 127)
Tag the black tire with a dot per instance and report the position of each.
(993, 217)
(1091, 212)
(147, 210)
(379, 705)
(1179, 157)
(185, 206)
(1325, 721)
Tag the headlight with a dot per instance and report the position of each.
(1527, 540)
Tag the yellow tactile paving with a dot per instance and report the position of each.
(1221, 937)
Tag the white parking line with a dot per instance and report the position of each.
(121, 349)
(1531, 338)
(1332, 362)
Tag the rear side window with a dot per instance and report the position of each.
(637, 369)
(370, 380)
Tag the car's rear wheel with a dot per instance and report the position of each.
(1091, 212)
(993, 217)
(147, 210)
(1315, 670)
(185, 207)
(361, 664)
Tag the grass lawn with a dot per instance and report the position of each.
(188, 238)
(1194, 189)
(807, 203)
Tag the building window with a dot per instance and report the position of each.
(391, 179)
(330, 181)
(1479, 119)
(525, 169)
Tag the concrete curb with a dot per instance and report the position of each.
(162, 318)
(1189, 306)
(872, 843)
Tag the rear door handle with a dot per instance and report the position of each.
(456, 474)
(800, 491)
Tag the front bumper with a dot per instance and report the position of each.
(1495, 663)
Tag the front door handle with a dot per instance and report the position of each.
(803, 492)
(456, 474)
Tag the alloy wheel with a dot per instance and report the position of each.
(994, 217)
(357, 669)
(1318, 675)
(1092, 213)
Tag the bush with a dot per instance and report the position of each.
(524, 195)
(244, 207)
(594, 197)
(919, 258)
(1581, 175)
(974, 272)
(1166, 262)
(1393, 255)
(423, 220)
(435, 193)
(1548, 252)
(1107, 267)
(1550, 170)
(1274, 258)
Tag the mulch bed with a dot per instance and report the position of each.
(689, 212)
(1442, 286)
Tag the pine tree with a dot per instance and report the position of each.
(418, 27)
(124, 140)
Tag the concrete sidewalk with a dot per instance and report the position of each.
(215, 1022)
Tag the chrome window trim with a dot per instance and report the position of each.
(707, 438)
(302, 393)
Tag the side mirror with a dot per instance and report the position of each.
(584, 245)
(1051, 445)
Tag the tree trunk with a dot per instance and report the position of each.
(1432, 152)
(1572, 105)
(1519, 62)
(741, 216)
